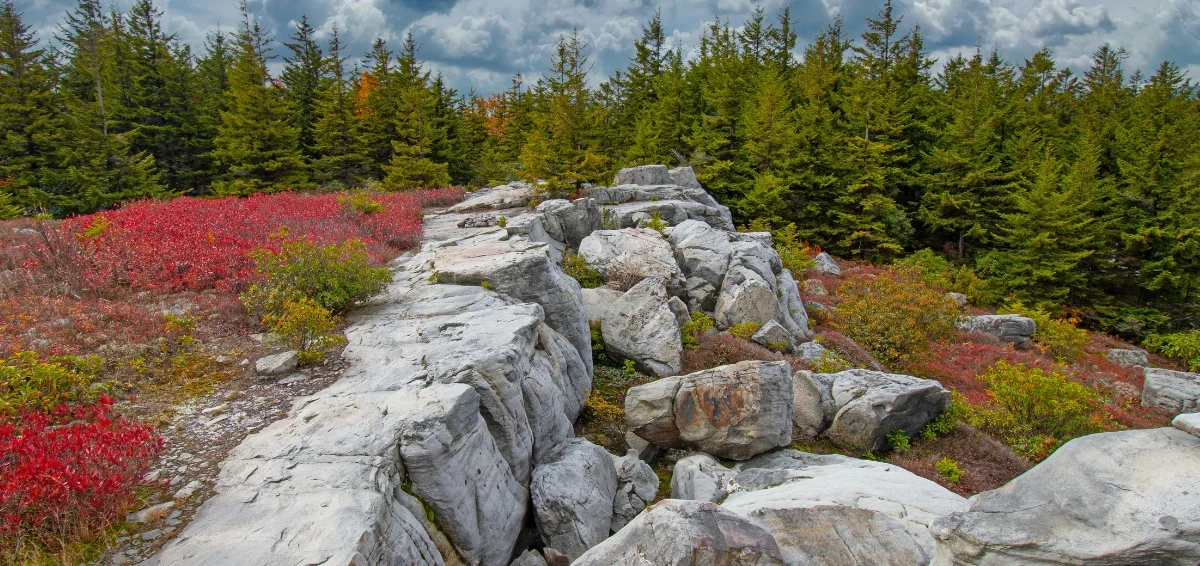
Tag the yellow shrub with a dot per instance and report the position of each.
(894, 316)
(306, 326)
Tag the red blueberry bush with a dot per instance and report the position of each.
(69, 472)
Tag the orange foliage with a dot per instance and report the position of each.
(493, 108)
(368, 84)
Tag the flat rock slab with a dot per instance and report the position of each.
(1175, 391)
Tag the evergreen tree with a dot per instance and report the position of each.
(256, 144)
(212, 82)
(301, 77)
(337, 141)
(377, 106)
(412, 164)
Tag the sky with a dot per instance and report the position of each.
(481, 43)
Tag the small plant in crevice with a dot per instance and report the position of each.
(657, 223)
(502, 221)
(599, 354)
(898, 441)
(948, 469)
(629, 369)
(744, 330)
(699, 325)
(579, 270)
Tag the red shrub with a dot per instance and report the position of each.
(69, 472)
(957, 363)
(719, 349)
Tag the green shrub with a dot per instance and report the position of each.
(894, 316)
(502, 221)
(578, 268)
(744, 330)
(898, 441)
(334, 276)
(630, 370)
(936, 271)
(1058, 337)
(699, 325)
(30, 383)
(361, 203)
(1035, 412)
(949, 470)
(796, 254)
(657, 223)
(945, 423)
(599, 355)
(1182, 346)
(306, 326)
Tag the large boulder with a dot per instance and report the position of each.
(513, 195)
(526, 271)
(871, 404)
(686, 533)
(573, 488)
(569, 221)
(673, 212)
(774, 336)
(1129, 497)
(598, 302)
(685, 177)
(456, 470)
(1188, 422)
(735, 411)
(792, 313)
(641, 327)
(824, 263)
(813, 407)
(634, 253)
(1175, 391)
(837, 510)
(643, 175)
(745, 297)
(637, 484)
(703, 253)
(1012, 328)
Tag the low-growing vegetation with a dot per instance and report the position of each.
(578, 268)
(1181, 346)
(893, 316)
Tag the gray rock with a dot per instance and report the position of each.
(1012, 328)
(525, 271)
(599, 301)
(775, 337)
(1175, 391)
(871, 404)
(555, 558)
(513, 195)
(831, 509)
(815, 288)
(792, 313)
(745, 297)
(277, 364)
(685, 177)
(734, 411)
(632, 253)
(826, 264)
(1129, 358)
(1187, 422)
(637, 484)
(701, 477)
(680, 310)
(529, 558)
(570, 221)
(646, 452)
(813, 407)
(1129, 497)
(811, 351)
(644, 175)
(686, 533)
(959, 299)
(641, 327)
(573, 489)
(673, 212)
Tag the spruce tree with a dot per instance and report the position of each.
(212, 82)
(412, 164)
(377, 106)
(302, 71)
(337, 141)
(256, 144)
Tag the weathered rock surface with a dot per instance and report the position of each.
(792, 313)
(1012, 328)
(735, 411)
(637, 252)
(569, 221)
(686, 533)
(685, 177)
(701, 477)
(837, 510)
(673, 212)
(815, 288)
(641, 327)
(871, 404)
(598, 302)
(1129, 358)
(813, 407)
(1175, 391)
(826, 264)
(1188, 422)
(277, 364)
(637, 484)
(526, 271)
(811, 351)
(513, 195)
(775, 337)
(529, 558)
(745, 297)
(573, 488)
(644, 175)
(1129, 497)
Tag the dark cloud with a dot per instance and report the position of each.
(482, 43)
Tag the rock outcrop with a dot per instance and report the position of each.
(858, 407)
(1175, 391)
(640, 326)
(633, 253)
(1129, 358)
(1012, 328)
(701, 477)
(573, 489)
(686, 533)
(637, 485)
(775, 337)
(1129, 497)
(735, 411)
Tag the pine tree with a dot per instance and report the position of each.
(212, 82)
(337, 141)
(256, 144)
(377, 106)
(412, 164)
(1042, 241)
(302, 72)
(30, 125)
